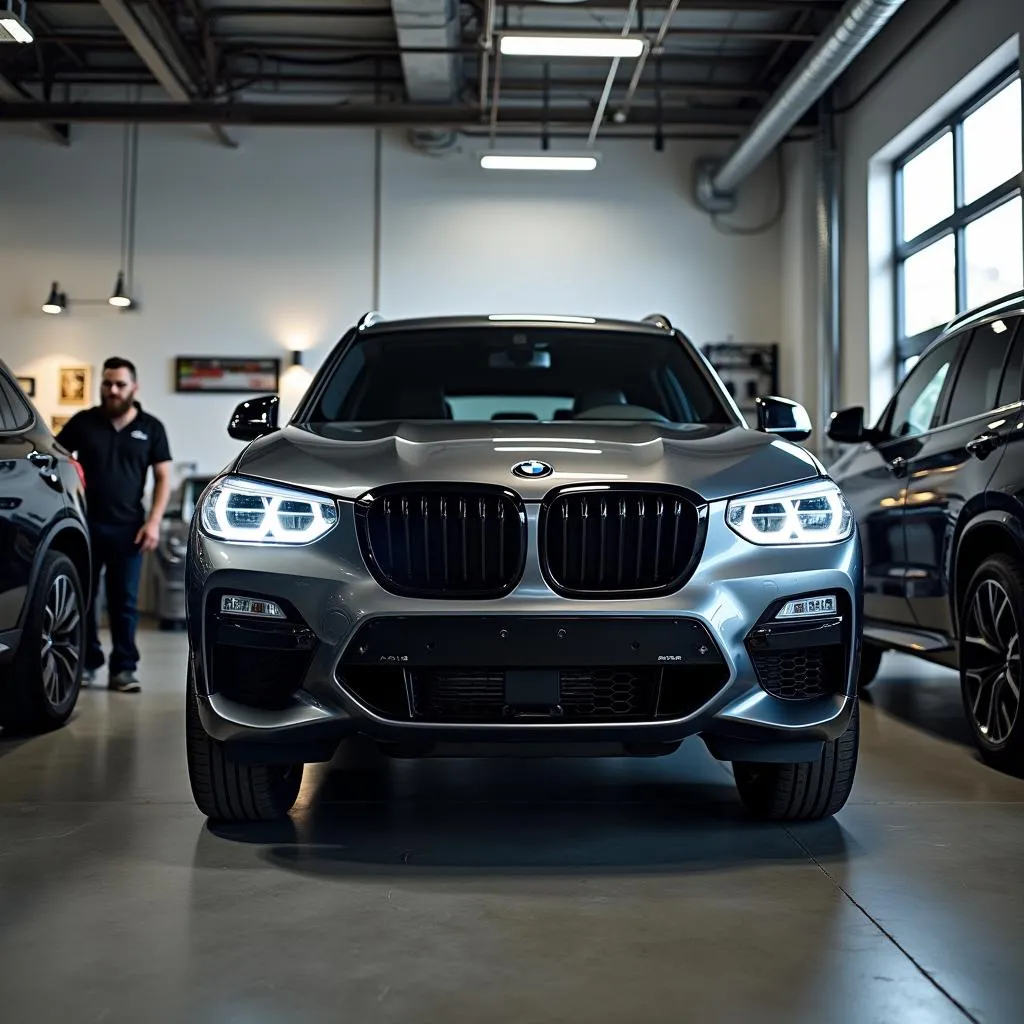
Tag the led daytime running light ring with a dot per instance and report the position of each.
(741, 515)
(216, 513)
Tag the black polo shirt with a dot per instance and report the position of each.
(115, 461)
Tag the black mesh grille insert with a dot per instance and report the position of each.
(439, 543)
(587, 694)
(800, 673)
(619, 541)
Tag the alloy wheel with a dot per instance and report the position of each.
(61, 647)
(992, 667)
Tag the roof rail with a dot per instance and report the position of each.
(369, 319)
(659, 320)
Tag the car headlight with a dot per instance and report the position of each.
(805, 514)
(263, 513)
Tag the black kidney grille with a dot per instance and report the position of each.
(447, 544)
(619, 541)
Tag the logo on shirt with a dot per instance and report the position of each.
(140, 435)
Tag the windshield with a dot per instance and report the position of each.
(495, 373)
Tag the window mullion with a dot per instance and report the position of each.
(958, 202)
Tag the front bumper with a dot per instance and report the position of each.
(530, 667)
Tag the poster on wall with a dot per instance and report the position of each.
(75, 385)
(221, 375)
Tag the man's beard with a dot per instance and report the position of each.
(114, 407)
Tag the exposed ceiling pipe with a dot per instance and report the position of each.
(379, 115)
(854, 27)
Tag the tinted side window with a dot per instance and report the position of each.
(15, 413)
(977, 381)
(915, 404)
(1009, 390)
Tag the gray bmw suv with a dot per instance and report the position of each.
(519, 533)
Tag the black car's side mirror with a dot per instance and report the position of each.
(783, 417)
(255, 418)
(847, 427)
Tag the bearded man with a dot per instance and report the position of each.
(116, 443)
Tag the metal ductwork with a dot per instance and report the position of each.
(853, 28)
(425, 25)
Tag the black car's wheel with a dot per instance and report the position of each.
(227, 790)
(870, 663)
(991, 676)
(46, 674)
(802, 792)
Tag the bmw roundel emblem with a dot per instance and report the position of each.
(532, 469)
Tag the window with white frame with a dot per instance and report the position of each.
(958, 217)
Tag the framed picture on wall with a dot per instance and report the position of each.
(28, 385)
(57, 423)
(226, 374)
(75, 383)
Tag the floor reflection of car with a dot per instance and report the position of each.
(169, 575)
(44, 561)
(938, 488)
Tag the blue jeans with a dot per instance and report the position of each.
(114, 548)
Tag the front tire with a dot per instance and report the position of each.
(46, 674)
(802, 792)
(991, 676)
(234, 791)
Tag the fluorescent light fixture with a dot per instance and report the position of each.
(571, 46)
(538, 162)
(13, 26)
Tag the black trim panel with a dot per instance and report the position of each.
(532, 641)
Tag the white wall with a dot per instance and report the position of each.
(269, 247)
(966, 48)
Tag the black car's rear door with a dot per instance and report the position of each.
(949, 475)
(27, 503)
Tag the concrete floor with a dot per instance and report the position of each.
(493, 892)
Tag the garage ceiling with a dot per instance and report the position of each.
(712, 65)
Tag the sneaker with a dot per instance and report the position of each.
(88, 677)
(125, 682)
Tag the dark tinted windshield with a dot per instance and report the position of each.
(474, 373)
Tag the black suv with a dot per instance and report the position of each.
(938, 489)
(45, 565)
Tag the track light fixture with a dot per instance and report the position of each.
(119, 298)
(56, 302)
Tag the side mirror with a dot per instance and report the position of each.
(782, 417)
(254, 418)
(847, 427)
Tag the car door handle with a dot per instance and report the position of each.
(983, 445)
(898, 466)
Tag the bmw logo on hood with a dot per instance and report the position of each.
(532, 469)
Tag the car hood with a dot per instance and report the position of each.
(347, 460)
